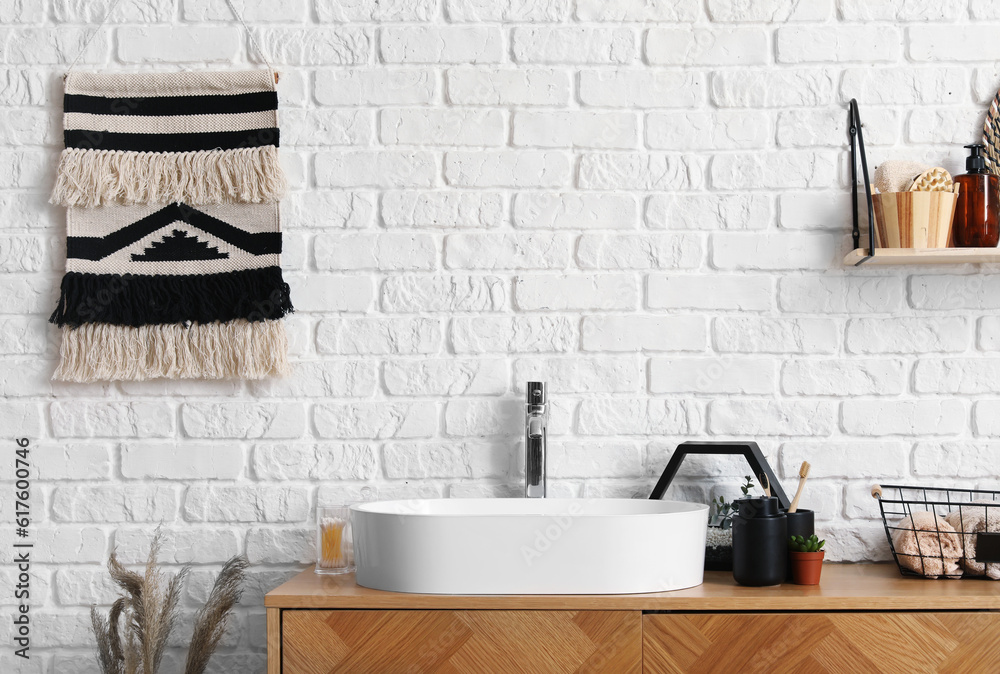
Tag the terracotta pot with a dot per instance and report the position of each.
(802, 523)
(806, 567)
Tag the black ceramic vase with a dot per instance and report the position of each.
(760, 542)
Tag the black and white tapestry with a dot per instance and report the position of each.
(171, 183)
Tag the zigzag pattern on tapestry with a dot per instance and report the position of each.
(171, 183)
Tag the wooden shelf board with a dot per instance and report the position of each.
(895, 256)
(844, 587)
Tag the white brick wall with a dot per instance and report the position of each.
(642, 202)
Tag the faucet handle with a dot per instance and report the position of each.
(536, 427)
(535, 393)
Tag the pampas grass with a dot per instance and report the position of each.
(146, 612)
(113, 633)
(213, 617)
(110, 661)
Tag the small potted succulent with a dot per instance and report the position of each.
(807, 559)
(719, 542)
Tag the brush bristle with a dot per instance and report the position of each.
(804, 469)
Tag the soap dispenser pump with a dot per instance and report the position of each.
(760, 542)
(976, 220)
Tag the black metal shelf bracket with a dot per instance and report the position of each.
(858, 148)
(758, 464)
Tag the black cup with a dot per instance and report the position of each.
(760, 542)
(800, 523)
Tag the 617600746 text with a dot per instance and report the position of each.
(22, 549)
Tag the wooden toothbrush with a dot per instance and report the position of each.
(803, 474)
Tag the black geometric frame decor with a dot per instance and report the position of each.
(750, 450)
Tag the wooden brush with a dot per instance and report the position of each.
(803, 474)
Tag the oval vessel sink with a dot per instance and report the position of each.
(529, 546)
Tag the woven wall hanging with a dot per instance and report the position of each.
(171, 183)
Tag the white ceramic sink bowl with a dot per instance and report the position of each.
(529, 546)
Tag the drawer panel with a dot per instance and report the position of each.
(324, 642)
(893, 643)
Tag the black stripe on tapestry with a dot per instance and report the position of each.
(129, 299)
(169, 142)
(99, 247)
(161, 106)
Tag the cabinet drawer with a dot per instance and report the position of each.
(323, 642)
(817, 642)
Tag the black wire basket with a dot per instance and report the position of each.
(942, 532)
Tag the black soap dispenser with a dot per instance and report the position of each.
(760, 542)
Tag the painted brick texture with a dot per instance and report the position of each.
(642, 202)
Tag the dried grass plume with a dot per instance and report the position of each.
(213, 617)
(133, 636)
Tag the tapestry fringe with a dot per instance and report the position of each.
(236, 349)
(135, 299)
(97, 177)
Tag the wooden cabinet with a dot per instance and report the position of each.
(863, 618)
(324, 642)
(880, 643)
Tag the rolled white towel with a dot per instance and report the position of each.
(927, 544)
(970, 521)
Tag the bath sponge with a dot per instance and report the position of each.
(896, 175)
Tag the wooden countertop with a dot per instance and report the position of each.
(845, 587)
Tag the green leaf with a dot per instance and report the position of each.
(797, 544)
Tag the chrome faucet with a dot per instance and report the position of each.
(536, 419)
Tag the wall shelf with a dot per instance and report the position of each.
(919, 256)
(892, 256)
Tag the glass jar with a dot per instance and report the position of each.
(334, 542)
